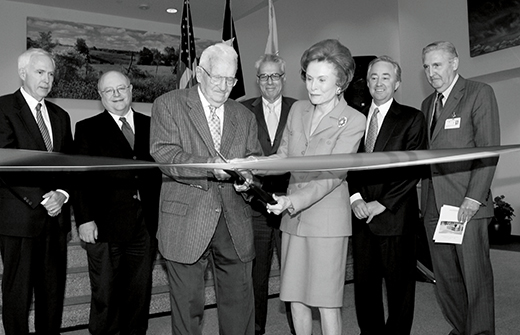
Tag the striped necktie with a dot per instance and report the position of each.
(127, 131)
(372, 132)
(43, 128)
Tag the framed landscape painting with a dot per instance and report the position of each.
(84, 51)
(493, 25)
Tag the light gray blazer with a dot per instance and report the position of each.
(320, 199)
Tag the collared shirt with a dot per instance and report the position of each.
(207, 111)
(277, 108)
(447, 91)
(129, 116)
(383, 110)
(32, 102)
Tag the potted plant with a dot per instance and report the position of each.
(500, 226)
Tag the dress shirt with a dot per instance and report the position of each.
(32, 102)
(276, 109)
(383, 110)
(129, 116)
(207, 111)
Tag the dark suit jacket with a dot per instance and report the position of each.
(404, 128)
(110, 197)
(273, 184)
(191, 201)
(22, 215)
(476, 106)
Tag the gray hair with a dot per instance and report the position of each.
(270, 58)
(25, 58)
(219, 51)
(448, 47)
(388, 59)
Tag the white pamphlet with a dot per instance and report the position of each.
(449, 229)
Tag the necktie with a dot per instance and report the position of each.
(214, 127)
(372, 132)
(272, 122)
(437, 110)
(127, 131)
(43, 128)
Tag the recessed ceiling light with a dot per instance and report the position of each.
(171, 10)
(144, 6)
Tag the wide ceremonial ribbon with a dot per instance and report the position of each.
(33, 160)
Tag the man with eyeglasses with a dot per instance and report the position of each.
(117, 212)
(271, 111)
(203, 219)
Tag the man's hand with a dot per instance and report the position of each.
(467, 210)
(88, 232)
(245, 185)
(53, 201)
(375, 208)
(360, 209)
(367, 210)
(218, 173)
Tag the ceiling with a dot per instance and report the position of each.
(208, 14)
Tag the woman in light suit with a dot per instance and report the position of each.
(316, 211)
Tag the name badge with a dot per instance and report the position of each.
(452, 123)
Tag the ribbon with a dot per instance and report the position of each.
(30, 160)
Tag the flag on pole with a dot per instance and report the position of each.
(188, 56)
(272, 39)
(229, 36)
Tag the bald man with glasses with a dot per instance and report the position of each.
(202, 218)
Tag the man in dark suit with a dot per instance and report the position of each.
(117, 212)
(202, 217)
(461, 114)
(271, 111)
(386, 209)
(35, 220)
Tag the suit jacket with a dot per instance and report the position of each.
(320, 199)
(191, 200)
(116, 200)
(20, 209)
(475, 104)
(273, 184)
(404, 128)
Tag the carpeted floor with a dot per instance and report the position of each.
(428, 318)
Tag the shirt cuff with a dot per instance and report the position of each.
(65, 194)
(478, 202)
(354, 197)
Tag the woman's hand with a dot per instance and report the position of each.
(282, 203)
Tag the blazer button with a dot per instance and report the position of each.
(303, 152)
(135, 196)
(134, 158)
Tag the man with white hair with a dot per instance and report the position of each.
(202, 218)
(35, 217)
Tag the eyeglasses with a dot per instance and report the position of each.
(111, 91)
(215, 80)
(273, 77)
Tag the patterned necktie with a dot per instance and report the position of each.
(437, 108)
(214, 127)
(372, 132)
(272, 122)
(127, 131)
(43, 128)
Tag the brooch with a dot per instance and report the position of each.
(342, 122)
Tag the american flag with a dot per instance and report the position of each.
(229, 36)
(188, 57)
